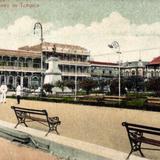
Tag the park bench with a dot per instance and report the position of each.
(25, 115)
(140, 134)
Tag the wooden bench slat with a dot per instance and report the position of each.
(36, 119)
(150, 141)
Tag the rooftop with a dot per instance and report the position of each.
(156, 60)
(102, 63)
(19, 53)
(138, 63)
(47, 46)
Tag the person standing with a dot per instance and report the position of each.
(18, 93)
(3, 90)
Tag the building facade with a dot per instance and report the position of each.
(17, 66)
(134, 68)
(104, 70)
(24, 65)
(153, 68)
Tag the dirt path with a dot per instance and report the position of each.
(99, 125)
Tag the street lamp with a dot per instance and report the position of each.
(75, 94)
(39, 25)
(115, 45)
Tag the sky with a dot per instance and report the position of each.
(92, 24)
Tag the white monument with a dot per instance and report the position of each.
(53, 73)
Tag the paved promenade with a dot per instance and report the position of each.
(12, 151)
(98, 125)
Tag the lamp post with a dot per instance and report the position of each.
(75, 90)
(39, 25)
(115, 45)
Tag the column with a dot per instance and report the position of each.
(14, 81)
(22, 79)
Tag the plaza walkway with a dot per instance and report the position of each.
(12, 151)
(98, 125)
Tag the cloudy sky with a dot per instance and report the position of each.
(92, 24)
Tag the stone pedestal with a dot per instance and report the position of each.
(53, 73)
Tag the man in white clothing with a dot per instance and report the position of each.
(3, 90)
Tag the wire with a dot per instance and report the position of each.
(129, 51)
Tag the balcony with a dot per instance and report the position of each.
(19, 69)
(104, 75)
(77, 63)
(72, 74)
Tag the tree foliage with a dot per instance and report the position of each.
(70, 84)
(135, 83)
(48, 87)
(153, 84)
(60, 84)
(88, 85)
(114, 86)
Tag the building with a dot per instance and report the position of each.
(153, 68)
(104, 70)
(17, 66)
(134, 68)
(24, 65)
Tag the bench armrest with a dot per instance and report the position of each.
(54, 120)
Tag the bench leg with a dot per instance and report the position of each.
(129, 154)
(52, 128)
(141, 153)
(56, 130)
(47, 132)
(16, 125)
(25, 124)
(135, 148)
(20, 123)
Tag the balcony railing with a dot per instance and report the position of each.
(73, 74)
(104, 74)
(22, 64)
(79, 63)
(16, 68)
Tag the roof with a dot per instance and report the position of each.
(138, 63)
(156, 60)
(19, 53)
(102, 63)
(62, 48)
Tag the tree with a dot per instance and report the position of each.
(70, 84)
(115, 86)
(88, 85)
(48, 87)
(102, 84)
(153, 84)
(60, 84)
(135, 83)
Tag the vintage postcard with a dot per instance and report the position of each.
(79, 79)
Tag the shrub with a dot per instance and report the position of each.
(136, 102)
(48, 87)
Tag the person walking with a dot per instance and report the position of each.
(3, 90)
(18, 93)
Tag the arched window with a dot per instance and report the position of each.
(35, 81)
(25, 82)
(133, 73)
